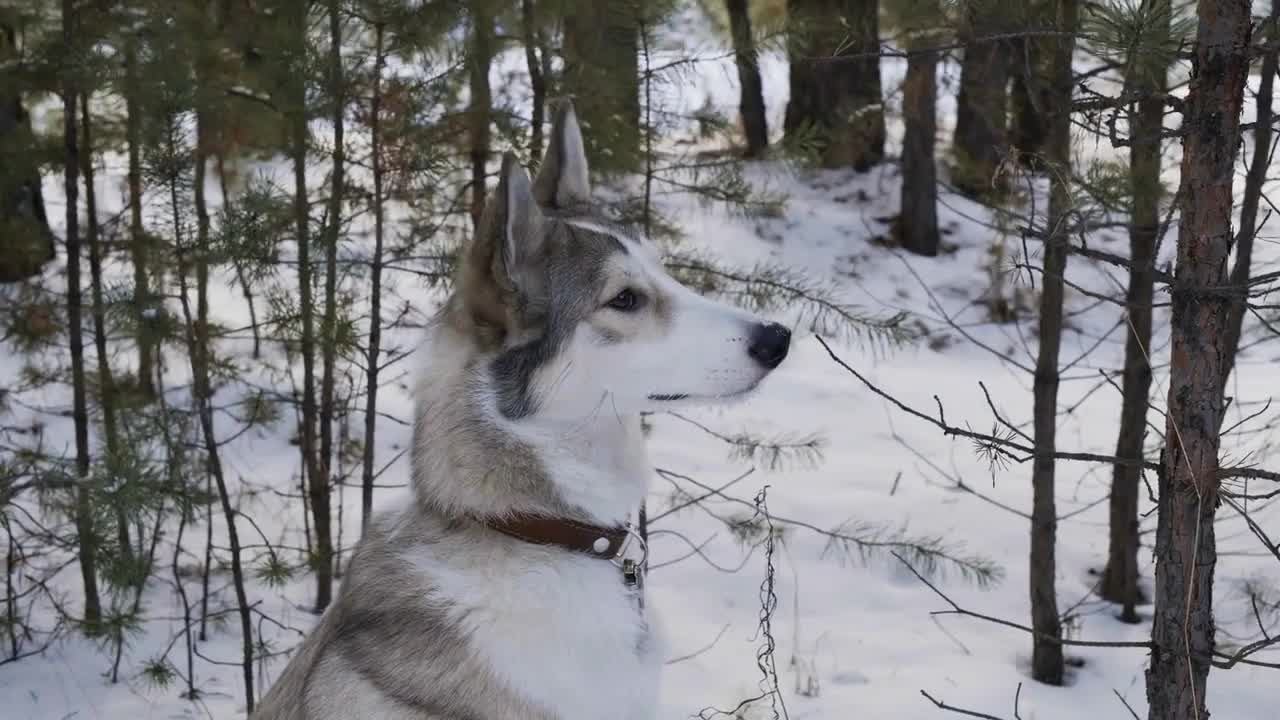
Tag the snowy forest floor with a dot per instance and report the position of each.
(855, 638)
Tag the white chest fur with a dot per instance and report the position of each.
(557, 628)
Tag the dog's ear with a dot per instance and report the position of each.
(563, 180)
(516, 231)
(503, 278)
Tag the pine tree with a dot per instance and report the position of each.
(1047, 664)
(1259, 164)
(602, 74)
(26, 243)
(87, 538)
(1030, 89)
(537, 64)
(836, 103)
(294, 85)
(330, 346)
(479, 61)
(1147, 56)
(981, 135)
(923, 24)
(751, 107)
(143, 302)
(1183, 630)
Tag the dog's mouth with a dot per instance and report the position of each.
(676, 397)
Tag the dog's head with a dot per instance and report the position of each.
(581, 315)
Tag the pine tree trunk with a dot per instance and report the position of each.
(142, 300)
(1029, 92)
(333, 234)
(246, 290)
(1186, 555)
(836, 103)
(373, 357)
(751, 103)
(602, 75)
(1046, 659)
(918, 219)
(534, 50)
(26, 243)
(1120, 579)
(106, 381)
(199, 349)
(174, 472)
(980, 140)
(317, 478)
(481, 103)
(1253, 185)
(86, 539)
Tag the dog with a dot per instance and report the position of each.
(511, 587)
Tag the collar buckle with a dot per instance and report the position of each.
(632, 567)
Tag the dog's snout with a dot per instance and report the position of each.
(769, 344)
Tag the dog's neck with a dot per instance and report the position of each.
(468, 460)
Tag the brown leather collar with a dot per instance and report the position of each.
(594, 540)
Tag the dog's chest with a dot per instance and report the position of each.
(561, 630)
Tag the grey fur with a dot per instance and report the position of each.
(385, 632)
(533, 274)
(474, 461)
(575, 268)
(562, 181)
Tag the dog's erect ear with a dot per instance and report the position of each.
(504, 275)
(515, 230)
(563, 181)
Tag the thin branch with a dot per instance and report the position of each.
(957, 610)
(1020, 452)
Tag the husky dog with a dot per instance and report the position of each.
(508, 589)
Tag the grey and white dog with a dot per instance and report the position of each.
(562, 329)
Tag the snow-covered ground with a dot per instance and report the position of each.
(855, 638)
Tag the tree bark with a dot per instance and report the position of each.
(751, 98)
(86, 540)
(481, 103)
(1029, 92)
(1186, 556)
(1120, 579)
(333, 235)
(835, 100)
(1254, 181)
(26, 243)
(317, 479)
(246, 290)
(1046, 659)
(106, 380)
(534, 51)
(199, 351)
(373, 357)
(602, 75)
(918, 219)
(980, 142)
(138, 243)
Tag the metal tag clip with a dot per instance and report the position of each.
(633, 568)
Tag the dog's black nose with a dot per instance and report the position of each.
(769, 344)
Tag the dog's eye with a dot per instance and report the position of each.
(625, 301)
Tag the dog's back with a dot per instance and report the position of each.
(437, 621)
(287, 698)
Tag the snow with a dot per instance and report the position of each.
(854, 638)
